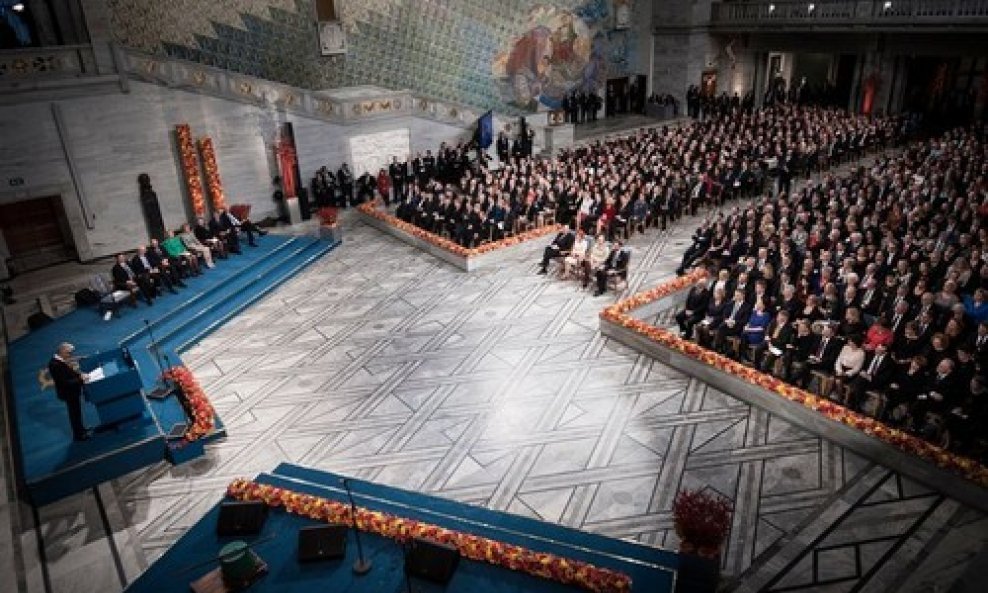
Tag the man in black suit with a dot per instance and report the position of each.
(398, 173)
(125, 279)
(142, 266)
(68, 387)
(876, 374)
(736, 316)
(160, 259)
(696, 307)
(559, 247)
(226, 232)
(616, 263)
(205, 236)
(824, 355)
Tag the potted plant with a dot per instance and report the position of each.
(328, 225)
(702, 521)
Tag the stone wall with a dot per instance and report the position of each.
(112, 139)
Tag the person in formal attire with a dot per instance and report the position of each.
(824, 355)
(142, 266)
(875, 375)
(696, 305)
(176, 249)
(205, 236)
(69, 380)
(616, 263)
(736, 316)
(160, 259)
(226, 232)
(503, 148)
(345, 179)
(192, 243)
(560, 247)
(124, 278)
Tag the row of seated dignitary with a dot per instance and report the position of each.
(874, 283)
(594, 258)
(647, 178)
(160, 266)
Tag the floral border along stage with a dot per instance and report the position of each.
(190, 168)
(203, 416)
(370, 210)
(474, 547)
(618, 314)
(212, 172)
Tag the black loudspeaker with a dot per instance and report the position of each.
(431, 561)
(241, 518)
(323, 542)
(37, 320)
(86, 297)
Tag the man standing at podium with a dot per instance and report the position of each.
(69, 380)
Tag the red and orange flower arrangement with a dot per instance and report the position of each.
(190, 168)
(212, 173)
(481, 549)
(618, 314)
(370, 209)
(201, 412)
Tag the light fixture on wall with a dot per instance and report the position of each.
(19, 7)
(887, 5)
(771, 8)
(811, 8)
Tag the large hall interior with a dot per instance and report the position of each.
(617, 296)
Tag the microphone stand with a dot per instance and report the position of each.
(362, 566)
(163, 389)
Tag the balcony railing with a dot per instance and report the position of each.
(63, 61)
(877, 13)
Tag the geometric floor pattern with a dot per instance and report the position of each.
(496, 388)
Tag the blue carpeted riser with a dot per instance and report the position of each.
(328, 484)
(650, 569)
(44, 439)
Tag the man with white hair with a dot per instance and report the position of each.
(68, 379)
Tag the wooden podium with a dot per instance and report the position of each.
(117, 395)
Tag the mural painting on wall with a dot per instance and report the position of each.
(558, 52)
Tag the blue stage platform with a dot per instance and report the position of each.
(652, 570)
(50, 464)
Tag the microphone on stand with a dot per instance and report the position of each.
(162, 389)
(362, 566)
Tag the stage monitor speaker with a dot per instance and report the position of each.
(321, 542)
(241, 518)
(431, 561)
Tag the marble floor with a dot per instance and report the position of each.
(495, 388)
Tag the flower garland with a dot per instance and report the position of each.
(370, 210)
(481, 549)
(212, 172)
(617, 313)
(190, 168)
(202, 414)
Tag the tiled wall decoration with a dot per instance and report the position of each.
(468, 51)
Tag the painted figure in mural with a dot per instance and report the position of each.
(547, 61)
(529, 65)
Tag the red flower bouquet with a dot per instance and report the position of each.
(190, 168)
(212, 172)
(201, 412)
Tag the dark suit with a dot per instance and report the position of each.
(68, 388)
(560, 246)
(737, 314)
(875, 376)
(145, 269)
(616, 262)
(122, 275)
(825, 355)
(221, 231)
(696, 306)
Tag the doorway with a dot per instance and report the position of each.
(36, 233)
(616, 101)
